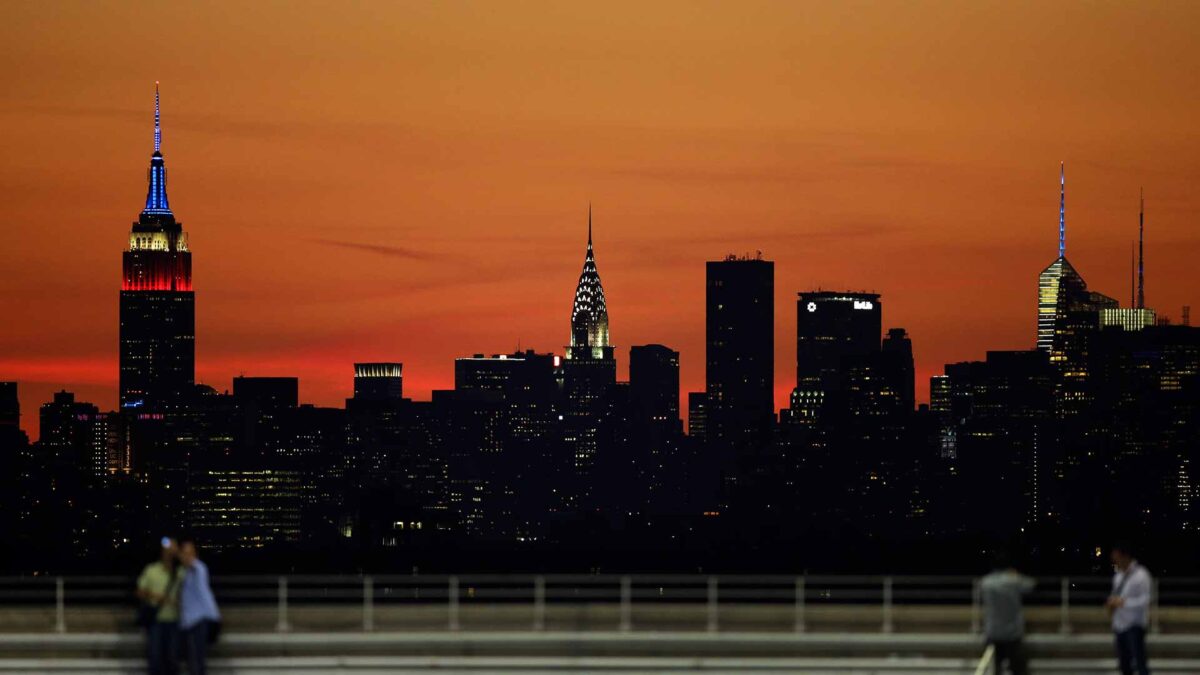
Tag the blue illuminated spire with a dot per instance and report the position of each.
(1062, 209)
(156, 193)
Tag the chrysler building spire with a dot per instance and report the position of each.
(589, 314)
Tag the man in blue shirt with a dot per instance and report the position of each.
(198, 614)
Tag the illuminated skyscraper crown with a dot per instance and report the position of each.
(589, 315)
(156, 193)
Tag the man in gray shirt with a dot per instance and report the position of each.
(1003, 616)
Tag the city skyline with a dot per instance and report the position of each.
(257, 315)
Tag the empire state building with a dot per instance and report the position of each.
(158, 307)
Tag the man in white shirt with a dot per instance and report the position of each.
(1129, 605)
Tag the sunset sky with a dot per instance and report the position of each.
(410, 181)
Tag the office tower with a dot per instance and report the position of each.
(378, 381)
(517, 376)
(590, 368)
(1068, 316)
(897, 355)
(263, 403)
(1002, 410)
(157, 312)
(832, 327)
(654, 385)
(697, 423)
(10, 405)
(740, 351)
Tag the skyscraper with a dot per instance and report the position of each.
(740, 351)
(1068, 315)
(589, 369)
(654, 386)
(10, 405)
(831, 327)
(158, 307)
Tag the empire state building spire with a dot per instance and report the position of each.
(589, 314)
(156, 193)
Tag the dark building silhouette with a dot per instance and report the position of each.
(654, 386)
(10, 405)
(831, 328)
(740, 351)
(378, 381)
(899, 370)
(158, 306)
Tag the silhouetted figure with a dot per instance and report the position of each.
(158, 589)
(1004, 616)
(1129, 605)
(199, 619)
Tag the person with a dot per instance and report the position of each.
(1129, 605)
(158, 589)
(1003, 617)
(198, 614)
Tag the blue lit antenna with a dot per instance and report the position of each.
(156, 193)
(1062, 209)
(157, 125)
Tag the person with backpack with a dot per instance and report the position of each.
(199, 618)
(158, 613)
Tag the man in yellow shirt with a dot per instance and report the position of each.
(158, 589)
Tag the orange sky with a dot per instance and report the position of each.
(409, 181)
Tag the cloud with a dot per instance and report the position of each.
(382, 249)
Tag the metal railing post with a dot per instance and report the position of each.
(60, 605)
(713, 625)
(281, 625)
(452, 604)
(626, 604)
(1155, 623)
(887, 605)
(799, 622)
(1064, 625)
(368, 604)
(539, 603)
(976, 607)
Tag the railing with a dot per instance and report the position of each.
(622, 603)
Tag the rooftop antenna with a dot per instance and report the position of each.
(1062, 209)
(1141, 292)
(1187, 315)
(157, 126)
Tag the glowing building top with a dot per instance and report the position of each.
(589, 314)
(156, 193)
(156, 232)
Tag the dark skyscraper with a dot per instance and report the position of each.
(10, 405)
(898, 362)
(831, 327)
(654, 385)
(158, 312)
(740, 351)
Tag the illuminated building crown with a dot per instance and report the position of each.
(156, 193)
(589, 315)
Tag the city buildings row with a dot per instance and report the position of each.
(1094, 428)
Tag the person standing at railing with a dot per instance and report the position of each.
(158, 614)
(1003, 591)
(1129, 605)
(199, 618)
